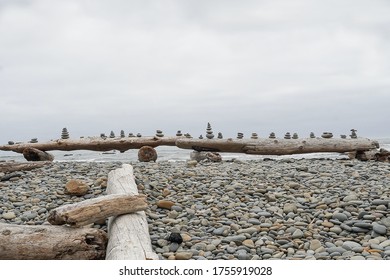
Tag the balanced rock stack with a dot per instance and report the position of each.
(312, 135)
(188, 135)
(353, 133)
(112, 134)
(209, 132)
(295, 136)
(287, 135)
(254, 135)
(240, 135)
(131, 134)
(34, 140)
(220, 136)
(103, 135)
(64, 133)
(139, 135)
(327, 135)
(123, 134)
(178, 133)
(201, 136)
(343, 136)
(159, 133)
(272, 135)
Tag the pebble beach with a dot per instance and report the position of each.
(293, 209)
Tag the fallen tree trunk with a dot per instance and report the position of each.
(33, 154)
(128, 234)
(18, 166)
(95, 144)
(19, 242)
(95, 209)
(278, 146)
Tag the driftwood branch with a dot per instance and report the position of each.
(278, 146)
(129, 237)
(95, 209)
(39, 242)
(18, 166)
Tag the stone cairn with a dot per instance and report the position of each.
(312, 135)
(123, 134)
(11, 142)
(209, 132)
(272, 135)
(187, 135)
(159, 133)
(139, 135)
(201, 136)
(343, 136)
(240, 135)
(287, 135)
(254, 136)
(103, 135)
(64, 133)
(131, 134)
(353, 133)
(327, 135)
(34, 140)
(295, 136)
(220, 136)
(178, 133)
(112, 134)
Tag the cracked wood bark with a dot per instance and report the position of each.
(94, 144)
(95, 209)
(278, 146)
(41, 242)
(33, 154)
(128, 234)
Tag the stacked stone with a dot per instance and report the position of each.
(287, 135)
(295, 136)
(64, 133)
(123, 134)
(327, 135)
(102, 135)
(201, 136)
(312, 135)
(139, 135)
(209, 132)
(112, 134)
(254, 135)
(178, 133)
(131, 134)
(159, 133)
(240, 135)
(188, 135)
(272, 135)
(343, 136)
(34, 140)
(220, 136)
(353, 133)
(11, 142)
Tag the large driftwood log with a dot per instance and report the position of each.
(128, 234)
(33, 154)
(40, 242)
(11, 166)
(95, 144)
(278, 146)
(95, 209)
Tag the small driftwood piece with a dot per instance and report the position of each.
(146, 154)
(19, 166)
(129, 237)
(95, 209)
(41, 242)
(33, 154)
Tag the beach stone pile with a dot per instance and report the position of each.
(303, 209)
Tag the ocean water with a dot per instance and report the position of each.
(166, 153)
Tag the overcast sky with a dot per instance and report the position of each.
(244, 66)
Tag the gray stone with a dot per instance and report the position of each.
(9, 216)
(290, 208)
(336, 249)
(297, 234)
(340, 216)
(349, 245)
(380, 229)
(235, 238)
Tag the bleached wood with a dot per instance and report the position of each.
(278, 146)
(95, 209)
(10, 166)
(128, 234)
(41, 242)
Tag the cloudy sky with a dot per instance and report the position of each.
(244, 66)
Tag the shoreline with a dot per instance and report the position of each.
(252, 209)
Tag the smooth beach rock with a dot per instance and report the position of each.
(272, 135)
(11, 142)
(9, 215)
(343, 136)
(295, 136)
(131, 135)
(146, 154)
(165, 204)
(327, 135)
(187, 135)
(139, 135)
(214, 157)
(254, 135)
(312, 135)
(178, 133)
(159, 133)
(76, 187)
(183, 255)
(220, 136)
(34, 140)
(112, 134)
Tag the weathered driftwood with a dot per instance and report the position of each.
(41, 242)
(95, 209)
(278, 146)
(128, 234)
(11, 166)
(95, 144)
(33, 154)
